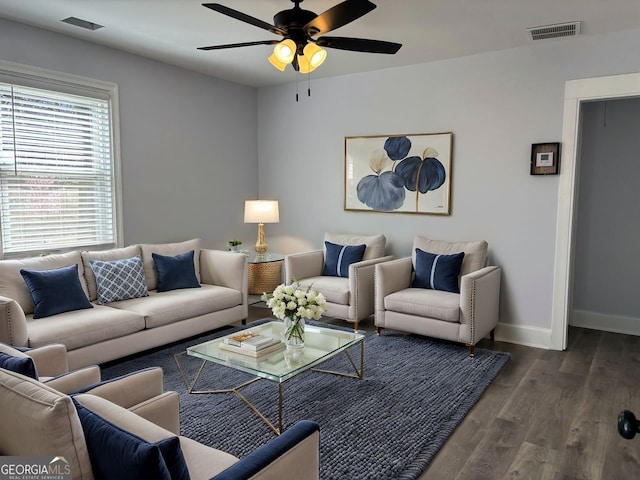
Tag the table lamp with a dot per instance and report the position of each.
(261, 212)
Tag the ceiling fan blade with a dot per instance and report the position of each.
(337, 16)
(244, 44)
(243, 17)
(359, 44)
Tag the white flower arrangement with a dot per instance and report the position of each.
(295, 301)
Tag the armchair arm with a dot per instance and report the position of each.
(303, 265)
(294, 454)
(390, 277)
(361, 286)
(13, 324)
(163, 410)
(480, 301)
(129, 390)
(72, 381)
(142, 393)
(50, 360)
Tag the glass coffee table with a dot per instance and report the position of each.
(320, 344)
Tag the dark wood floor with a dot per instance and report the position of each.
(549, 414)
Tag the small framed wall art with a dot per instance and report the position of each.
(545, 158)
(399, 173)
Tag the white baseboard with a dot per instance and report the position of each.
(523, 335)
(606, 322)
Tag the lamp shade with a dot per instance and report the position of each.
(277, 63)
(315, 54)
(285, 51)
(313, 57)
(261, 211)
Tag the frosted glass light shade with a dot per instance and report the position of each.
(285, 51)
(312, 58)
(277, 63)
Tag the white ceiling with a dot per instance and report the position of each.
(171, 30)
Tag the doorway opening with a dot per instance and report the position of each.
(576, 93)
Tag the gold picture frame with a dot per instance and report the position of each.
(399, 173)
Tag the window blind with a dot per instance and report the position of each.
(56, 171)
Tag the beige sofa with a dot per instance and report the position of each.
(46, 422)
(110, 331)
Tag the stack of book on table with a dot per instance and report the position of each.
(251, 344)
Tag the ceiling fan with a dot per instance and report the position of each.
(298, 27)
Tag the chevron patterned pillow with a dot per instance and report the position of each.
(119, 279)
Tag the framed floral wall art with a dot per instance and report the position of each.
(398, 173)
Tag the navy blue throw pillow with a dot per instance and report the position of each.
(175, 272)
(438, 272)
(116, 453)
(174, 458)
(55, 291)
(337, 258)
(23, 366)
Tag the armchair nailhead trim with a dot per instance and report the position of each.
(355, 297)
(6, 306)
(473, 320)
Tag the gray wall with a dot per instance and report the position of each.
(607, 252)
(496, 104)
(194, 148)
(188, 141)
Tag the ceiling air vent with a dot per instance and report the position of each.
(78, 22)
(570, 29)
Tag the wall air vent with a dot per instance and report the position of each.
(78, 22)
(569, 29)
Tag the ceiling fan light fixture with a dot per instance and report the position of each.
(285, 51)
(277, 63)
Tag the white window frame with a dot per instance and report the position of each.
(36, 77)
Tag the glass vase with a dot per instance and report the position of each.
(294, 333)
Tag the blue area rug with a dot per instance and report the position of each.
(389, 425)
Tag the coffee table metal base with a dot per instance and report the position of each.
(358, 373)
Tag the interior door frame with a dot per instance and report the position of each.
(576, 93)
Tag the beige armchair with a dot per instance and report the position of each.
(99, 438)
(348, 297)
(464, 317)
(141, 392)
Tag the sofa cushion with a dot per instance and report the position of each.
(83, 327)
(175, 272)
(168, 307)
(375, 243)
(117, 453)
(438, 272)
(42, 422)
(18, 362)
(334, 289)
(475, 253)
(168, 249)
(55, 291)
(105, 256)
(119, 279)
(425, 303)
(12, 284)
(337, 258)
